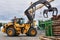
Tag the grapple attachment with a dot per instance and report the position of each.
(54, 11)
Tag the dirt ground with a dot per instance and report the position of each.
(3, 36)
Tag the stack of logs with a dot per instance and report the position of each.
(56, 25)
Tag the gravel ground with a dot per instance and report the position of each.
(21, 37)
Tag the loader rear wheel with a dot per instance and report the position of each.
(32, 32)
(10, 31)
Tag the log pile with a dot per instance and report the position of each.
(56, 25)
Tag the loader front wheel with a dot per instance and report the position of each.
(32, 32)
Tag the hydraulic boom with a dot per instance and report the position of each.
(43, 3)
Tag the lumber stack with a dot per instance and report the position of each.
(56, 25)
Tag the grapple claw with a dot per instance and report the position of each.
(52, 9)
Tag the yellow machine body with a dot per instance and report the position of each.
(18, 28)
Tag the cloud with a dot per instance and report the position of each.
(11, 8)
(1, 21)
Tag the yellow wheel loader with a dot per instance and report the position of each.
(17, 27)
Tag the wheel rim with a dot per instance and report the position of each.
(10, 32)
(33, 32)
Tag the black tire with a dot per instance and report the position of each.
(30, 30)
(13, 31)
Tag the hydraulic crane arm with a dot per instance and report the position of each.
(30, 10)
(38, 7)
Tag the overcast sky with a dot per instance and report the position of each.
(11, 8)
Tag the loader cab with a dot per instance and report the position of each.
(18, 20)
